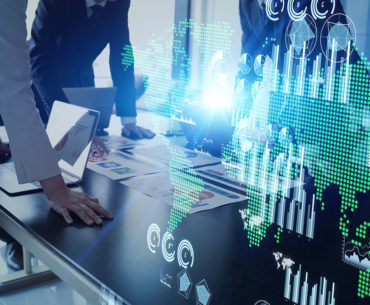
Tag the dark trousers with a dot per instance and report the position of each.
(43, 110)
(39, 105)
(4, 236)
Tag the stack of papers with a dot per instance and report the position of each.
(165, 173)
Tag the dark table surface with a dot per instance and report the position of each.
(117, 256)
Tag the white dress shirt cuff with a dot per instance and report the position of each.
(128, 120)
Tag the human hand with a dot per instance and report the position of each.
(136, 132)
(64, 201)
(99, 147)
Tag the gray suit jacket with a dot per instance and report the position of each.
(33, 155)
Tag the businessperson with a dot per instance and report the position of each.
(34, 158)
(67, 36)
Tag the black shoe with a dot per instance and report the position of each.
(14, 256)
(5, 154)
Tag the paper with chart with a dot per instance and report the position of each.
(3, 135)
(118, 142)
(161, 153)
(219, 173)
(159, 186)
(120, 166)
(70, 147)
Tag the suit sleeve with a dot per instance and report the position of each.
(34, 158)
(244, 8)
(123, 77)
(45, 29)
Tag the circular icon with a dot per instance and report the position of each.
(338, 38)
(262, 302)
(167, 246)
(274, 8)
(153, 237)
(321, 8)
(245, 63)
(243, 89)
(272, 134)
(255, 89)
(246, 146)
(259, 62)
(302, 36)
(220, 72)
(295, 10)
(185, 254)
(242, 137)
(286, 137)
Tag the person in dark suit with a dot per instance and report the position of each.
(67, 36)
(254, 24)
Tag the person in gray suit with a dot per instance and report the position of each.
(34, 158)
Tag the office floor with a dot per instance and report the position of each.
(53, 293)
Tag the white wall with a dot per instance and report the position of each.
(229, 11)
(32, 5)
(207, 12)
(146, 18)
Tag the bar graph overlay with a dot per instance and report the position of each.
(298, 290)
(296, 214)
